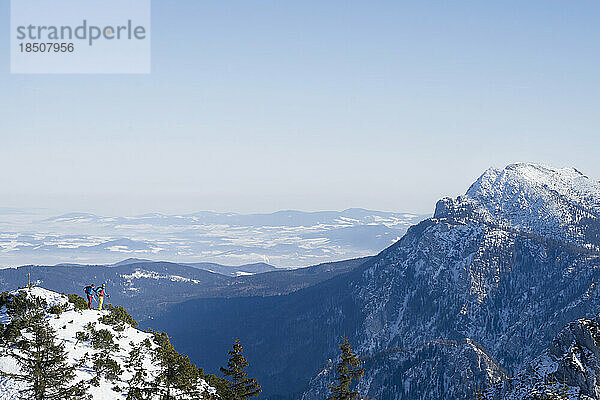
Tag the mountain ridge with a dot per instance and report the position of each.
(146, 288)
(86, 337)
(458, 276)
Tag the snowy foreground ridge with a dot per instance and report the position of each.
(66, 326)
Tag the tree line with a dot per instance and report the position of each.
(45, 373)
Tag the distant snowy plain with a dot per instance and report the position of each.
(283, 239)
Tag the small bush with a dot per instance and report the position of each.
(12, 330)
(221, 384)
(23, 310)
(56, 309)
(4, 296)
(117, 317)
(82, 337)
(103, 339)
(78, 302)
(22, 305)
(106, 366)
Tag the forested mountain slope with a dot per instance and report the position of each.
(493, 276)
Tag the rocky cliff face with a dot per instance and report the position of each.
(570, 366)
(463, 300)
(498, 271)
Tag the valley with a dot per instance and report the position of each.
(473, 297)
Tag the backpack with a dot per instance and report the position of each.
(88, 290)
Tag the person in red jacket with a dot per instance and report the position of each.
(100, 292)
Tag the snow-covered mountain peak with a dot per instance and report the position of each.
(532, 179)
(556, 203)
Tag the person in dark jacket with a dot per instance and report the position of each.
(89, 291)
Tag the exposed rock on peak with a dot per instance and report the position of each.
(561, 204)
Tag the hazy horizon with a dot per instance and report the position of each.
(256, 107)
(83, 204)
(56, 212)
(282, 239)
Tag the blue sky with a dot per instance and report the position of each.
(267, 105)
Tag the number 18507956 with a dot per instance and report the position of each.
(47, 47)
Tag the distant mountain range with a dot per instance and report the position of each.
(147, 288)
(229, 270)
(465, 299)
(498, 289)
(284, 238)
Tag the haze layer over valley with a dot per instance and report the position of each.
(283, 239)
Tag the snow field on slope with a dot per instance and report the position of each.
(66, 326)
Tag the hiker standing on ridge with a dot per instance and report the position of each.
(89, 291)
(100, 293)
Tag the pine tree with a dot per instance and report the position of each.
(348, 370)
(102, 363)
(177, 378)
(240, 387)
(105, 367)
(139, 388)
(42, 363)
